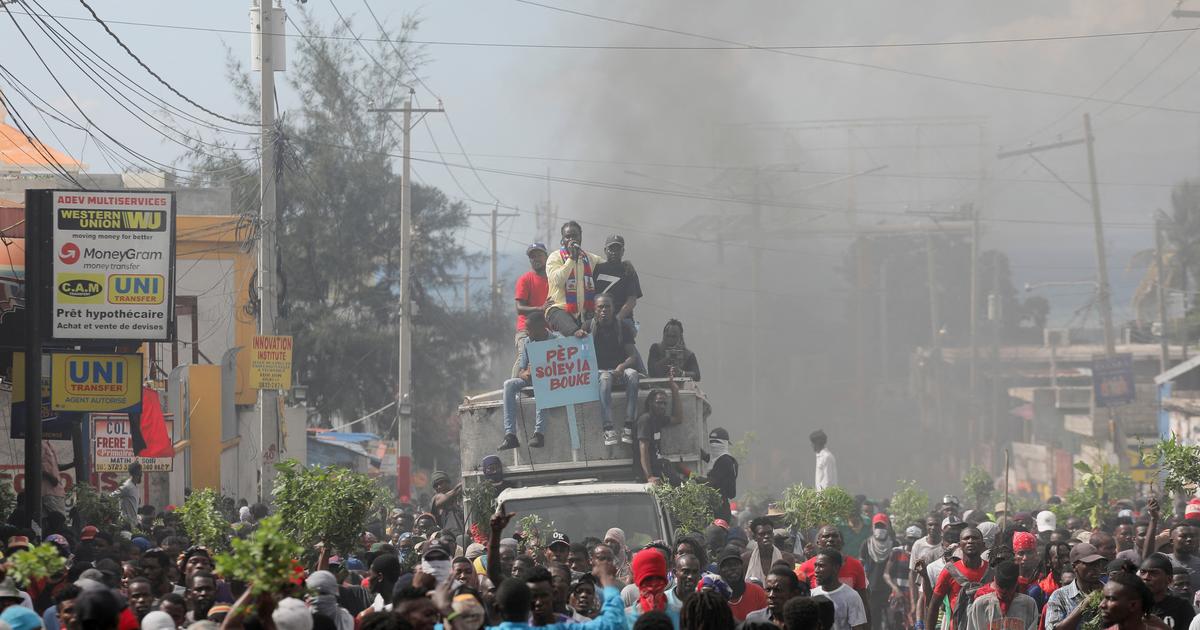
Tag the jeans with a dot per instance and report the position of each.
(521, 338)
(631, 378)
(511, 388)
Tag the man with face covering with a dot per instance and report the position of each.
(722, 471)
(746, 597)
(650, 576)
(324, 586)
(493, 472)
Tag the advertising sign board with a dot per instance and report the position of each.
(113, 265)
(271, 362)
(112, 445)
(95, 382)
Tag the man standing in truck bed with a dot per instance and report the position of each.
(649, 431)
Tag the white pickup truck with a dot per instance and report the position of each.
(584, 491)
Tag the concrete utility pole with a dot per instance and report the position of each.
(494, 278)
(268, 400)
(404, 309)
(1104, 291)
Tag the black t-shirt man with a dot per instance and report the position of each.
(1174, 612)
(647, 460)
(622, 277)
(610, 345)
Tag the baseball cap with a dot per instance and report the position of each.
(1046, 521)
(718, 434)
(951, 520)
(730, 553)
(1085, 553)
(8, 589)
(535, 247)
(559, 538)
(1000, 508)
(616, 239)
(949, 499)
(1192, 511)
(913, 532)
(89, 532)
(880, 518)
(19, 541)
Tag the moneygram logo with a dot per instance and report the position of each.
(69, 254)
(120, 255)
(135, 289)
(80, 288)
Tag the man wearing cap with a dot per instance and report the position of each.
(618, 278)
(530, 295)
(1046, 522)
(747, 597)
(446, 505)
(535, 330)
(571, 293)
(875, 552)
(559, 548)
(826, 474)
(1063, 607)
(722, 470)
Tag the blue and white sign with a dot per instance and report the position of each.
(1112, 379)
(563, 371)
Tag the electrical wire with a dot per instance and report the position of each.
(155, 74)
(846, 62)
(668, 48)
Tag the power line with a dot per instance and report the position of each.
(155, 74)
(846, 62)
(667, 48)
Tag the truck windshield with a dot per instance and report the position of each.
(584, 515)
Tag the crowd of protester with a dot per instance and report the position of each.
(954, 569)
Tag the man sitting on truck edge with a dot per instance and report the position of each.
(571, 295)
(648, 463)
(530, 295)
(616, 357)
(535, 328)
(672, 352)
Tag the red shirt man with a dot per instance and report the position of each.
(851, 574)
(533, 287)
(972, 567)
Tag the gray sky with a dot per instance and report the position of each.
(662, 107)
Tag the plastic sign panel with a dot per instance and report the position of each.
(271, 362)
(1112, 380)
(96, 382)
(564, 371)
(112, 446)
(113, 265)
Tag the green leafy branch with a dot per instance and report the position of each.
(1180, 464)
(201, 517)
(328, 505)
(36, 563)
(807, 508)
(909, 505)
(979, 485)
(266, 561)
(692, 504)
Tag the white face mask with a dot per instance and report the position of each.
(439, 569)
(880, 534)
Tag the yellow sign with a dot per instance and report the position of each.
(95, 382)
(271, 362)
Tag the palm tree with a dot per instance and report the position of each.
(1181, 256)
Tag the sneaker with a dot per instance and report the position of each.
(610, 437)
(627, 434)
(538, 441)
(510, 441)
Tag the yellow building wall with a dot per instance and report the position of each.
(204, 393)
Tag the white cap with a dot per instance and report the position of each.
(1046, 521)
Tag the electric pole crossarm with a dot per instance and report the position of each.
(1039, 148)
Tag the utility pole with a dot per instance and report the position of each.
(1104, 291)
(935, 326)
(404, 308)
(494, 278)
(1161, 291)
(268, 399)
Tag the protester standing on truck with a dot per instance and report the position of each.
(530, 295)
(616, 357)
(650, 465)
(723, 471)
(535, 325)
(571, 295)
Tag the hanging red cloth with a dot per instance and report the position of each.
(151, 428)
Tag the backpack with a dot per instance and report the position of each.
(966, 594)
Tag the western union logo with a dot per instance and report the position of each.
(119, 220)
(135, 289)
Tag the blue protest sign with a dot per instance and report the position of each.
(563, 371)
